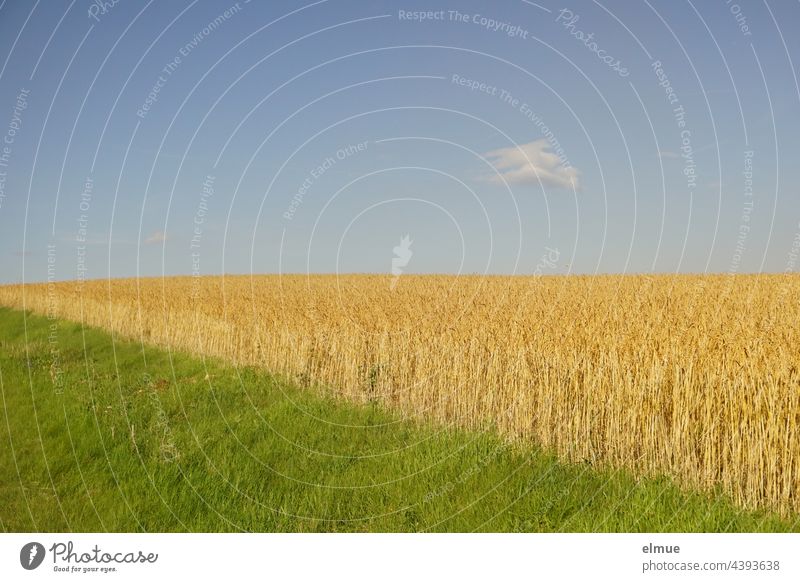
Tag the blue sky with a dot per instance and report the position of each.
(501, 137)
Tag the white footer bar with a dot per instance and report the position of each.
(406, 557)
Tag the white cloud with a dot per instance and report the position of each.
(158, 236)
(532, 163)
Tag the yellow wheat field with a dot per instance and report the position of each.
(693, 376)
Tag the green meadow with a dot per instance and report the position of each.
(102, 434)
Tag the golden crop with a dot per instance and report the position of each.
(693, 376)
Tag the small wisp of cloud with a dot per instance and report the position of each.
(402, 255)
(157, 237)
(532, 163)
